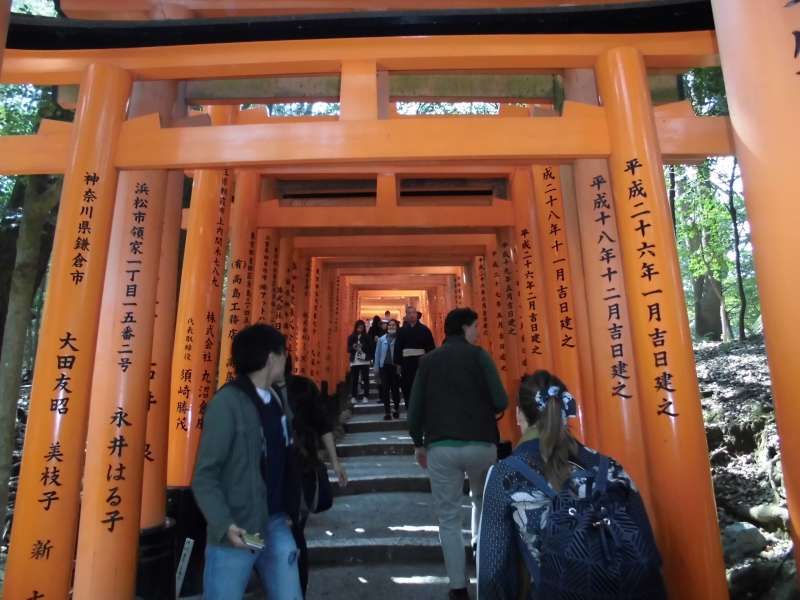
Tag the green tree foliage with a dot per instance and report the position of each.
(711, 225)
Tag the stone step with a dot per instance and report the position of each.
(396, 581)
(377, 443)
(368, 474)
(371, 422)
(378, 527)
(371, 408)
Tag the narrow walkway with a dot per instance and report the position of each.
(381, 538)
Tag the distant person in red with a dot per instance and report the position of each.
(414, 340)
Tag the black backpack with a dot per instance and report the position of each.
(597, 547)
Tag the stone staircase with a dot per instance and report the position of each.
(380, 539)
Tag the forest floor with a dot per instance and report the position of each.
(746, 467)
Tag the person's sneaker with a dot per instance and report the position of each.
(395, 415)
(387, 417)
(364, 400)
(352, 400)
(459, 594)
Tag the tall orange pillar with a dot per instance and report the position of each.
(262, 294)
(512, 331)
(154, 482)
(108, 538)
(290, 296)
(313, 323)
(534, 338)
(280, 277)
(302, 313)
(579, 299)
(759, 45)
(673, 422)
(479, 302)
(503, 350)
(562, 327)
(197, 334)
(494, 301)
(242, 228)
(616, 385)
(46, 512)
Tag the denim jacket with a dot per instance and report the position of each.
(382, 348)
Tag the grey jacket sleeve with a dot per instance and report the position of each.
(215, 443)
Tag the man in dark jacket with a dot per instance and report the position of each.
(414, 340)
(244, 478)
(455, 398)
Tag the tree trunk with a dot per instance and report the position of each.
(707, 302)
(9, 230)
(41, 196)
(737, 250)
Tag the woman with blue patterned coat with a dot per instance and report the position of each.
(516, 512)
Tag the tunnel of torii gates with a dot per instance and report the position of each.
(569, 258)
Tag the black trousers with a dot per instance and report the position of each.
(409, 366)
(361, 371)
(390, 383)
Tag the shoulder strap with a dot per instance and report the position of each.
(591, 461)
(519, 465)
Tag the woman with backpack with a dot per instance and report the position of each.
(561, 520)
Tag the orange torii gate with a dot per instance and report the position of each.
(531, 281)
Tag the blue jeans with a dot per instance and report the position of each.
(227, 570)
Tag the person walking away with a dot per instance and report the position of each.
(413, 341)
(358, 345)
(244, 480)
(376, 330)
(310, 426)
(454, 403)
(561, 521)
(386, 371)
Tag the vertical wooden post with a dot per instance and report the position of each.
(551, 226)
(280, 288)
(108, 538)
(303, 309)
(664, 358)
(494, 286)
(242, 226)
(759, 45)
(481, 302)
(313, 327)
(154, 482)
(265, 239)
(534, 338)
(616, 387)
(580, 309)
(46, 511)
(197, 334)
(359, 90)
(511, 327)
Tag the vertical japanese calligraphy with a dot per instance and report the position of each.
(42, 549)
(557, 273)
(198, 330)
(607, 252)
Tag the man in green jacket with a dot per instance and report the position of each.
(244, 478)
(456, 395)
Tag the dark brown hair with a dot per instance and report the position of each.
(556, 444)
